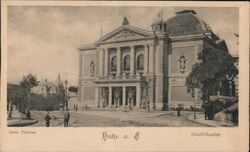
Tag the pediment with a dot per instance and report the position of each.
(125, 33)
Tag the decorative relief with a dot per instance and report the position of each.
(123, 35)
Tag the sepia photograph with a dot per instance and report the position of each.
(122, 66)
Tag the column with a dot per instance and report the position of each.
(138, 96)
(132, 60)
(80, 65)
(118, 49)
(101, 63)
(146, 59)
(106, 62)
(123, 96)
(110, 96)
(97, 96)
(151, 59)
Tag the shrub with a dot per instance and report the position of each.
(39, 102)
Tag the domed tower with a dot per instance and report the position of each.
(159, 26)
(185, 23)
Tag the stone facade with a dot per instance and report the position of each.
(132, 66)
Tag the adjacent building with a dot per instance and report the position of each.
(131, 65)
(45, 87)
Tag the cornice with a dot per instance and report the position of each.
(187, 38)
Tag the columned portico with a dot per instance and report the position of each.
(146, 59)
(101, 61)
(151, 59)
(132, 60)
(123, 96)
(97, 96)
(106, 62)
(138, 95)
(118, 49)
(110, 96)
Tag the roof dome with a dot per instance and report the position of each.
(186, 23)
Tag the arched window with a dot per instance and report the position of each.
(113, 64)
(140, 62)
(126, 63)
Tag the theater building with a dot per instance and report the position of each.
(132, 66)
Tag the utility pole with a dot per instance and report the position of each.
(194, 96)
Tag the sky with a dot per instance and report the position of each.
(43, 40)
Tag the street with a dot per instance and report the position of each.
(117, 119)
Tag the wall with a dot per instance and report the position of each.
(177, 90)
(86, 84)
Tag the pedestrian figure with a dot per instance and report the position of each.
(47, 119)
(66, 118)
(206, 110)
(66, 104)
(179, 110)
(171, 108)
(10, 109)
(148, 105)
(130, 104)
(76, 108)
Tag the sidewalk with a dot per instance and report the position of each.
(200, 118)
(57, 119)
(37, 119)
(19, 120)
(124, 115)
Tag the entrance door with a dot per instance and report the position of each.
(117, 96)
(131, 96)
(104, 97)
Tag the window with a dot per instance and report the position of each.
(140, 62)
(113, 64)
(182, 64)
(126, 63)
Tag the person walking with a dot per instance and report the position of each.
(206, 110)
(76, 108)
(171, 108)
(148, 105)
(47, 119)
(66, 118)
(10, 109)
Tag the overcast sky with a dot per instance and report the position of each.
(42, 40)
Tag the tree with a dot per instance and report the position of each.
(214, 65)
(73, 89)
(29, 81)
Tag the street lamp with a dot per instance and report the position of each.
(194, 108)
(197, 93)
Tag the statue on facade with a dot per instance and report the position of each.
(182, 63)
(92, 67)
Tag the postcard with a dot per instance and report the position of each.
(124, 76)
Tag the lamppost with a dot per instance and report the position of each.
(66, 94)
(196, 92)
(145, 81)
(141, 86)
(148, 80)
(194, 103)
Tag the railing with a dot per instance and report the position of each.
(121, 77)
